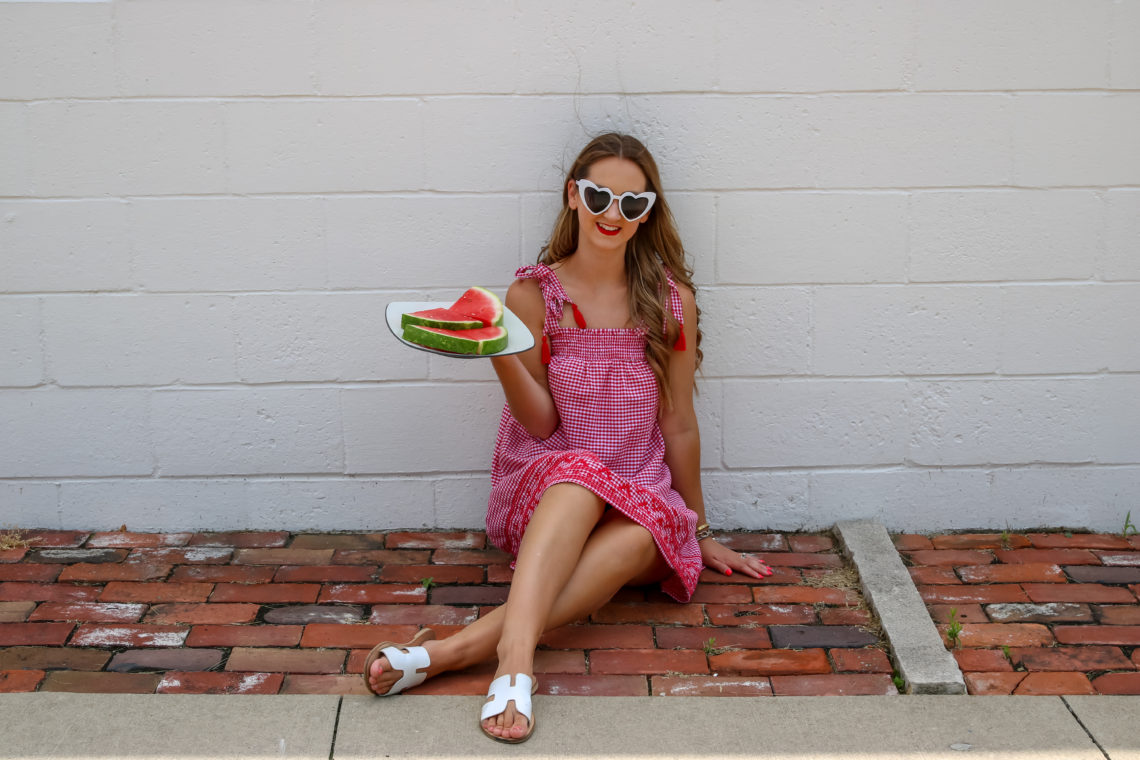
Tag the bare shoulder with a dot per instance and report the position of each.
(524, 298)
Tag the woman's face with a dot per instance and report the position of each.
(608, 230)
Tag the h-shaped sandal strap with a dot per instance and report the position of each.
(409, 662)
(502, 692)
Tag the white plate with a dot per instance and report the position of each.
(519, 337)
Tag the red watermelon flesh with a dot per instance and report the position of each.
(481, 304)
(449, 319)
(481, 340)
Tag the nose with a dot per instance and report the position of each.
(613, 214)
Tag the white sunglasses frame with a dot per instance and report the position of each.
(647, 194)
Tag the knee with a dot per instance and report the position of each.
(638, 539)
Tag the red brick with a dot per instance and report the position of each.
(780, 575)
(469, 557)
(202, 613)
(346, 541)
(1054, 683)
(470, 682)
(711, 686)
(989, 684)
(980, 541)
(244, 539)
(728, 638)
(771, 662)
(342, 636)
(176, 682)
(1078, 541)
(15, 612)
(1025, 573)
(802, 559)
(178, 658)
(439, 574)
(559, 661)
(1098, 574)
(1004, 634)
(1047, 556)
(1116, 614)
(283, 557)
(930, 576)
(266, 593)
(858, 684)
(803, 595)
(30, 572)
(302, 683)
(911, 542)
(1109, 683)
(1049, 613)
(126, 539)
(12, 555)
(12, 681)
(52, 658)
(186, 555)
(244, 659)
(101, 683)
(371, 593)
(844, 616)
(222, 574)
(605, 637)
(591, 685)
(1084, 658)
(963, 613)
(1005, 592)
(454, 540)
(89, 612)
(810, 543)
(754, 542)
(1136, 657)
(499, 573)
(1077, 592)
(981, 660)
(244, 636)
(868, 660)
(760, 614)
(422, 614)
(950, 557)
(722, 594)
(14, 591)
(34, 634)
(382, 557)
(156, 592)
(1124, 635)
(141, 635)
(647, 661)
(650, 614)
(55, 538)
(323, 574)
(102, 573)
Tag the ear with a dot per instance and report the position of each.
(572, 194)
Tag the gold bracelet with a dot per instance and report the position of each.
(703, 531)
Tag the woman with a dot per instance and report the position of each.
(596, 472)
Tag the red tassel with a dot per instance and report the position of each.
(680, 344)
(545, 351)
(578, 318)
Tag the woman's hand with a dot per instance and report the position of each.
(720, 558)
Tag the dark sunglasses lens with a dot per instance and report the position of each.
(632, 208)
(597, 200)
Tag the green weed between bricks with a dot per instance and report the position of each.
(954, 629)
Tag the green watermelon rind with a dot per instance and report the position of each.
(461, 322)
(454, 343)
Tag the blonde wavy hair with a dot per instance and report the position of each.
(655, 247)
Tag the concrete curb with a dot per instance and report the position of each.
(916, 646)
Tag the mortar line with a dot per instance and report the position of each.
(336, 727)
(1086, 729)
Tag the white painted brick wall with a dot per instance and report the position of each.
(915, 228)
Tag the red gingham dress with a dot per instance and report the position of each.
(608, 439)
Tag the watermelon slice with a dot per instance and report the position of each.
(476, 304)
(481, 340)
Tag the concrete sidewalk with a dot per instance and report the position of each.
(44, 725)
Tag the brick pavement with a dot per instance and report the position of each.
(273, 612)
(1040, 613)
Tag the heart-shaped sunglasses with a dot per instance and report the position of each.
(632, 206)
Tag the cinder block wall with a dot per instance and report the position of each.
(915, 224)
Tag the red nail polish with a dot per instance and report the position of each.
(728, 571)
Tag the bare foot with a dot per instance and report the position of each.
(382, 676)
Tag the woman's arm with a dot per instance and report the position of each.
(523, 376)
(683, 446)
